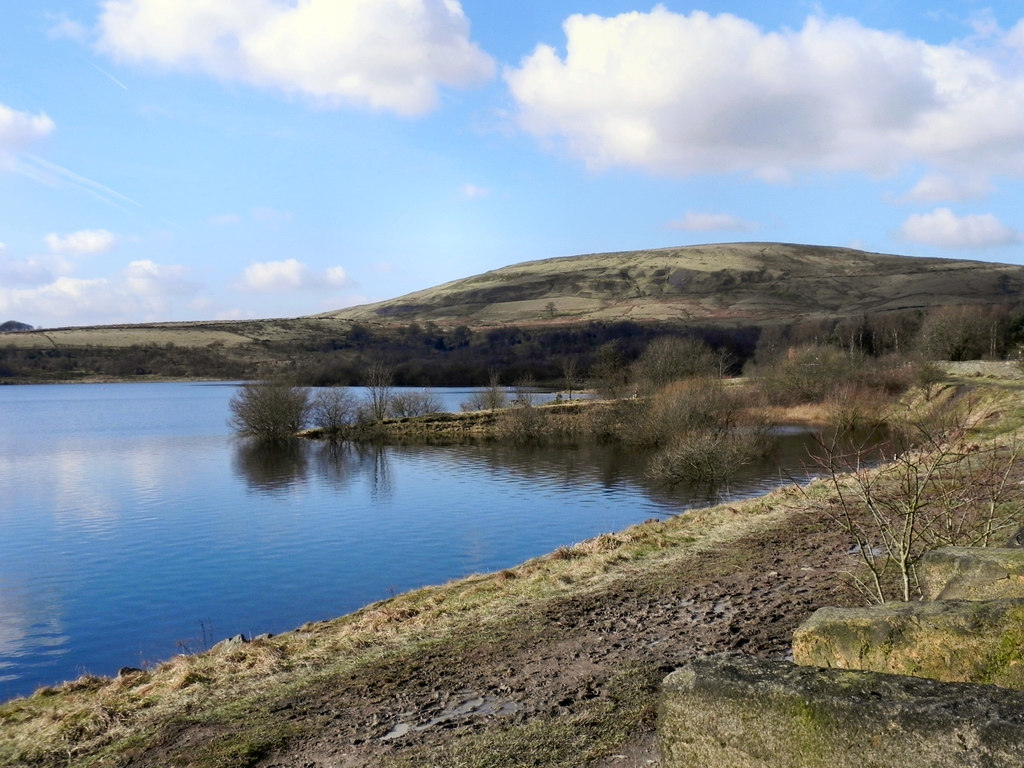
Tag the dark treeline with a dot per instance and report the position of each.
(426, 355)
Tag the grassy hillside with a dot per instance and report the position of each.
(524, 319)
(739, 283)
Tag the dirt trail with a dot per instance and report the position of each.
(747, 598)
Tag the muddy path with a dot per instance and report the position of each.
(561, 669)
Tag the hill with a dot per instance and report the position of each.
(526, 319)
(738, 283)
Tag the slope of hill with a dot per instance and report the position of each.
(739, 283)
(524, 318)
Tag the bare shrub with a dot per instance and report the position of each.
(490, 399)
(855, 406)
(522, 423)
(806, 374)
(333, 408)
(940, 489)
(670, 358)
(927, 376)
(379, 380)
(269, 411)
(408, 404)
(709, 457)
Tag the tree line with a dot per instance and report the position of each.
(425, 355)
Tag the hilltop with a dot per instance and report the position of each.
(733, 283)
(525, 318)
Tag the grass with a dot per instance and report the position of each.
(228, 696)
(93, 720)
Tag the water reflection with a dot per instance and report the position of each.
(284, 466)
(274, 467)
(340, 465)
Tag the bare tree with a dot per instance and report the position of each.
(269, 411)
(408, 404)
(380, 379)
(570, 374)
(492, 398)
(670, 358)
(940, 489)
(333, 408)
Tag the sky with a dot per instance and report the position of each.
(231, 159)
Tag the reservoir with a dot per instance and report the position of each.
(134, 526)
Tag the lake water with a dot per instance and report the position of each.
(133, 526)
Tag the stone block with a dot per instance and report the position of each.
(743, 712)
(972, 573)
(947, 640)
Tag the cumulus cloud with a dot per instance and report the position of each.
(945, 229)
(382, 54)
(288, 276)
(20, 129)
(23, 271)
(938, 187)
(85, 242)
(62, 27)
(142, 291)
(694, 221)
(681, 94)
(147, 278)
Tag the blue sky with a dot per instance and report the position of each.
(214, 159)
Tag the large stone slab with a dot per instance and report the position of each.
(948, 640)
(972, 573)
(742, 712)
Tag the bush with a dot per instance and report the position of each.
(490, 399)
(806, 374)
(269, 411)
(710, 457)
(669, 358)
(333, 408)
(406, 404)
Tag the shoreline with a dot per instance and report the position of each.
(556, 661)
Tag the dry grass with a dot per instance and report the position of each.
(89, 718)
(730, 282)
(92, 721)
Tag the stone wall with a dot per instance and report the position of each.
(744, 712)
(931, 684)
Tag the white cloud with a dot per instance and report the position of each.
(85, 242)
(336, 277)
(945, 229)
(142, 291)
(676, 95)
(288, 276)
(938, 187)
(381, 54)
(694, 221)
(18, 130)
(63, 27)
(23, 271)
(147, 278)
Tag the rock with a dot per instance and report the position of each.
(972, 573)
(743, 712)
(231, 642)
(947, 640)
